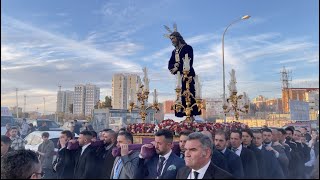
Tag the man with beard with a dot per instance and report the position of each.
(163, 165)
(104, 153)
(234, 161)
(85, 158)
(176, 65)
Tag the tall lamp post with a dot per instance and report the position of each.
(224, 78)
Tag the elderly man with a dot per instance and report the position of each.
(198, 160)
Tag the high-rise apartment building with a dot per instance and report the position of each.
(91, 98)
(64, 101)
(85, 98)
(79, 99)
(122, 86)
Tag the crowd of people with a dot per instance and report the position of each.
(238, 153)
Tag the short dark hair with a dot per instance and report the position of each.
(67, 133)
(45, 134)
(127, 135)
(248, 131)
(14, 127)
(257, 131)
(222, 132)
(298, 131)
(266, 130)
(185, 133)
(289, 128)
(24, 119)
(283, 132)
(168, 135)
(237, 132)
(19, 164)
(106, 130)
(5, 139)
(86, 133)
(94, 134)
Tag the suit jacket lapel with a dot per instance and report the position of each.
(169, 161)
(209, 173)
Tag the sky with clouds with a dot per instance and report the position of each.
(48, 43)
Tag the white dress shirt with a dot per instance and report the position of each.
(260, 147)
(224, 150)
(166, 156)
(84, 148)
(239, 149)
(201, 171)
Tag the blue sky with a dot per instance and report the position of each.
(46, 43)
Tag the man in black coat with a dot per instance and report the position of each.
(64, 163)
(234, 161)
(198, 160)
(271, 167)
(104, 154)
(217, 158)
(85, 158)
(249, 161)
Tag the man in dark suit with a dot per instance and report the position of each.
(247, 137)
(104, 154)
(198, 160)
(217, 158)
(234, 161)
(163, 165)
(249, 161)
(182, 141)
(85, 159)
(64, 163)
(272, 168)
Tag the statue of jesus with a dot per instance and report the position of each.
(175, 65)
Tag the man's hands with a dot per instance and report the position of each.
(125, 150)
(143, 151)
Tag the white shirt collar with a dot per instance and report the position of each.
(201, 171)
(84, 148)
(166, 156)
(260, 147)
(224, 150)
(239, 149)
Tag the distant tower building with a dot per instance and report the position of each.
(68, 101)
(85, 98)
(79, 99)
(91, 98)
(122, 85)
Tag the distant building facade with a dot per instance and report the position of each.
(85, 98)
(64, 101)
(294, 94)
(122, 86)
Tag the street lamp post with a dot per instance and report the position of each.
(224, 78)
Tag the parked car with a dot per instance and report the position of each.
(68, 124)
(34, 139)
(6, 118)
(52, 125)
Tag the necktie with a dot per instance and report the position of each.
(195, 174)
(234, 149)
(117, 169)
(160, 166)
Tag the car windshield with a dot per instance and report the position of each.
(7, 119)
(50, 124)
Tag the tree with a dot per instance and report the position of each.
(108, 101)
